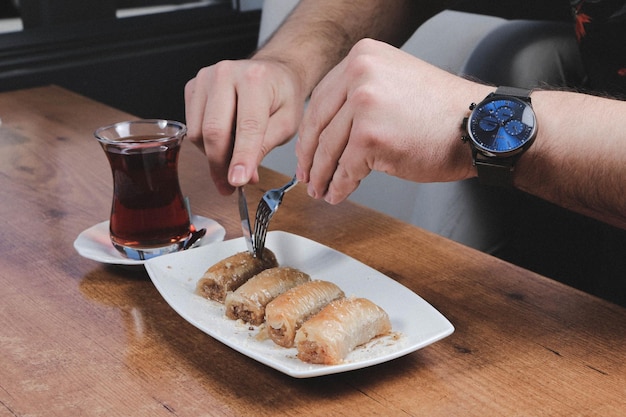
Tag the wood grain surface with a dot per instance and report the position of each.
(78, 338)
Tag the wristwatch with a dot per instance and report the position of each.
(499, 129)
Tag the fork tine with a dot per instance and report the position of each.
(265, 210)
(263, 216)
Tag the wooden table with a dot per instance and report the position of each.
(81, 338)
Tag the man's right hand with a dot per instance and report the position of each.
(238, 111)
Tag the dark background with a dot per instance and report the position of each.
(136, 64)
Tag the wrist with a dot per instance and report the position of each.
(304, 71)
(462, 153)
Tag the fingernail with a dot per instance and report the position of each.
(299, 174)
(238, 175)
(311, 191)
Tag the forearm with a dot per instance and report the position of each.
(578, 160)
(319, 33)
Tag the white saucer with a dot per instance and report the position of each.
(95, 243)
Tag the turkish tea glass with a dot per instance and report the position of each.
(149, 216)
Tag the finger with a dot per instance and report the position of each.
(281, 128)
(326, 100)
(217, 124)
(352, 152)
(210, 102)
(254, 108)
(351, 168)
(194, 109)
(331, 145)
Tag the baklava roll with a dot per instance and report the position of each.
(342, 325)
(286, 313)
(232, 272)
(248, 301)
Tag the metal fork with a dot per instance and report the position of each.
(264, 212)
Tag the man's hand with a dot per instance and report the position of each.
(237, 111)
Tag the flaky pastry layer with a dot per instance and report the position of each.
(286, 313)
(248, 301)
(338, 328)
(230, 273)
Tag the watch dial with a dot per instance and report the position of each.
(502, 125)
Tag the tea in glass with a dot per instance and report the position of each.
(149, 216)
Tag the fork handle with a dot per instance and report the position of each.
(290, 184)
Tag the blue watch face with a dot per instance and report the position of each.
(502, 125)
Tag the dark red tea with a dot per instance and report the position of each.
(148, 207)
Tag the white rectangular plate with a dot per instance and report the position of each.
(415, 322)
